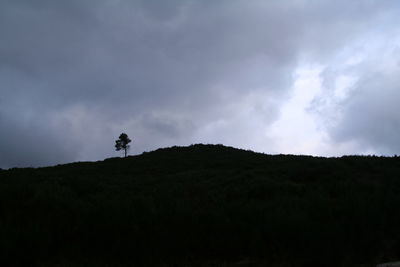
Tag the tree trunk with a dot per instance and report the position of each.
(125, 152)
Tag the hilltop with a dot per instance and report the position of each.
(203, 205)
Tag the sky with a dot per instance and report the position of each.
(315, 77)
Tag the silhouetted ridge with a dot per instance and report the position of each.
(202, 205)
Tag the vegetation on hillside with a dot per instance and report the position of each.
(203, 205)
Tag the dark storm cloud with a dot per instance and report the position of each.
(164, 70)
(32, 144)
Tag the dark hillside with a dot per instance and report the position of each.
(203, 205)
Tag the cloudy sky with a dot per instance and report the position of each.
(314, 77)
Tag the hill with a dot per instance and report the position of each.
(203, 205)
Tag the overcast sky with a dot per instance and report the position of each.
(295, 77)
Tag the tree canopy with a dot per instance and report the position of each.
(122, 143)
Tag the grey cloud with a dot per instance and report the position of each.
(166, 125)
(182, 60)
(371, 116)
(367, 115)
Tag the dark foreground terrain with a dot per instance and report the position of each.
(203, 205)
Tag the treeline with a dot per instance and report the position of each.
(203, 205)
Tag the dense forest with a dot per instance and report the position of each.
(203, 205)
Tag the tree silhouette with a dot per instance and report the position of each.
(122, 143)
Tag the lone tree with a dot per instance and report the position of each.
(122, 143)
